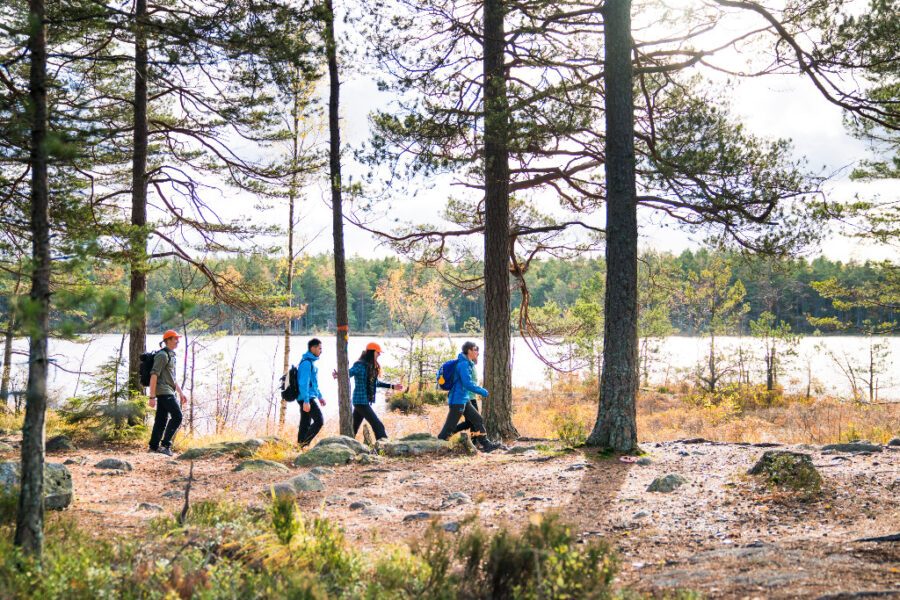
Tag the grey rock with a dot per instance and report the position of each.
(667, 483)
(417, 437)
(148, 506)
(114, 463)
(307, 482)
(580, 467)
(360, 504)
(456, 499)
(640, 515)
(174, 494)
(258, 464)
(374, 511)
(769, 457)
(239, 449)
(416, 447)
(327, 455)
(343, 440)
(368, 459)
(410, 477)
(75, 461)
(335, 499)
(4, 447)
(805, 447)
(643, 461)
(519, 495)
(853, 447)
(59, 443)
(894, 441)
(419, 516)
(451, 527)
(321, 471)
(110, 473)
(464, 445)
(521, 449)
(58, 493)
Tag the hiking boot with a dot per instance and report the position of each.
(484, 444)
(166, 451)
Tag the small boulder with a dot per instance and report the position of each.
(368, 459)
(451, 527)
(360, 504)
(414, 447)
(148, 506)
(321, 471)
(667, 483)
(580, 467)
(306, 482)
(59, 443)
(521, 449)
(419, 516)
(327, 455)
(413, 437)
(463, 445)
(644, 461)
(344, 440)
(456, 499)
(783, 468)
(853, 447)
(58, 491)
(4, 447)
(374, 511)
(258, 464)
(114, 463)
(894, 441)
(174, 494)
(242, 449)
(75, 461)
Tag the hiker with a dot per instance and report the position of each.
(308, 381)
(365, 372)
(162, 395)
(463, 390)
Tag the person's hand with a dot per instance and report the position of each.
(152, 401)
(322, 401)
(334, 374)
(183, 400)
(399, 387)
(306, 407)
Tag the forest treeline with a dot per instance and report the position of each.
(782, 287)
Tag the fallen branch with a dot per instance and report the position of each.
(187, 497)
(894, 537)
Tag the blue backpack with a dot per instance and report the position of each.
(446, 374)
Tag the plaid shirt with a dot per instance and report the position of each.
(358, 371)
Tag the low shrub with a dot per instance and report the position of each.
(793, 472)
(570, 430)
(407, 402)
(9, 505)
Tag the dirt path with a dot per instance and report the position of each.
(721, 534)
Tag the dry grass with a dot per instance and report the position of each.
(748, 415)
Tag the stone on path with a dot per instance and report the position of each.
(667, 483)
(148, 506)
(59, 443)
(451, 527)
(344, 440)
(327, 455)
(306, 482)
(242, 449)
(894, 441)
(114, 463)
(853, 447)
(174, 494)
(58, 492)
(368, 459)
(321, 471)
(420, 445)
(419, 516)
(4, 447)
(360, 504)
(258, 464)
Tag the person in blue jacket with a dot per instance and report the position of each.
(308, 382)
(365, 372)
(462, 391)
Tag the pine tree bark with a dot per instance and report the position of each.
(30, 517)
(616, 426)
(137, 331)
(8, 337)
(340, 270)
(497, 368)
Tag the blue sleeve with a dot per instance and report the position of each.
(304, 372)
(464, 376)
(356, 369)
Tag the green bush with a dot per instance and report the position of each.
(570, 431)
(434, 397)
(282, 512)
(407, 402)
(9, 505)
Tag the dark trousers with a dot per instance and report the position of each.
(167, 409)
(310, 423)
(473, 420)
(465, 424)
(365, 411)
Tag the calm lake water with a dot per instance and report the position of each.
(240, 373)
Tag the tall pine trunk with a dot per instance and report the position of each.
(8, 337)
(340, 270)
(497, 370)
(137, 332)
(30, 516)
(292, 194)
(616, 426)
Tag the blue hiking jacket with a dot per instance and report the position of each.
(308, 378)
(464, 387)
(358, 371)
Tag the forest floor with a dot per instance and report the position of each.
(723, 534)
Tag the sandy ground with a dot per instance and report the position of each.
(722, 534)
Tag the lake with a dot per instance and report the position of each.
(237, 376)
